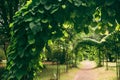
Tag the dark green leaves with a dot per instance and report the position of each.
(31, 39)
(35, 27)
(41, 20)
(43, 2)
(28, 19)
(19, 74)
(77, 3)
(109, 2)
(41, 11)
(48, 6)
(54, 10)
(86, 30)
(44, 20)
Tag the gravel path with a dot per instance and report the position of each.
(87, 71)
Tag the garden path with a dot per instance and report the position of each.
(87, 71)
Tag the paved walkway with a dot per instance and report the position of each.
(87, 71)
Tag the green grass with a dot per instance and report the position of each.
(49, 72)
(70, 74)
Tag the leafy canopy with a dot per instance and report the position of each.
(40, 20)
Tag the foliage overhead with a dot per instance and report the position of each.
(40, 20)
(103, 45)
(7, 11)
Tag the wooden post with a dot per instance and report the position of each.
(106, 61)
(118, 66)
(99, 56)
(57, 70)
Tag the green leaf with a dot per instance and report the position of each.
(50, 42)
(11, 77)
(35, 27)
(21, 53)
(44, 20)
(19, 74)
(41, 11)
(20, 66)
(86, 30)
(48, 6)
(62, 39)
(40, 63)
(109, 2)
(71, 1)
(54, 10)
(78, 3)
(93, 24)
(65, 34)
(31, 39)
(97, 31)
(28, 19)
(43, 1)
(11, 25)
(33, 51)
(32, 24)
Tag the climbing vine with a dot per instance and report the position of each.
(35, 23)
(40, 20)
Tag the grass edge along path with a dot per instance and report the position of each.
(102, 74)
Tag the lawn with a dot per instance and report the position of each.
(50, 72)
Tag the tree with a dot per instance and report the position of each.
(112, 46)
(40, 20)
(7, 11)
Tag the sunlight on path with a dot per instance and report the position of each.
(86, 72)
(88, 64)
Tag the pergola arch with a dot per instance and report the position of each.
(33, 25)
(37, 22)
(90, 42)
(105, 42)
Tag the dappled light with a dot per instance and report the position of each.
(59, 39)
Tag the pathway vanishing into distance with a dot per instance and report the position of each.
(87, 71)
